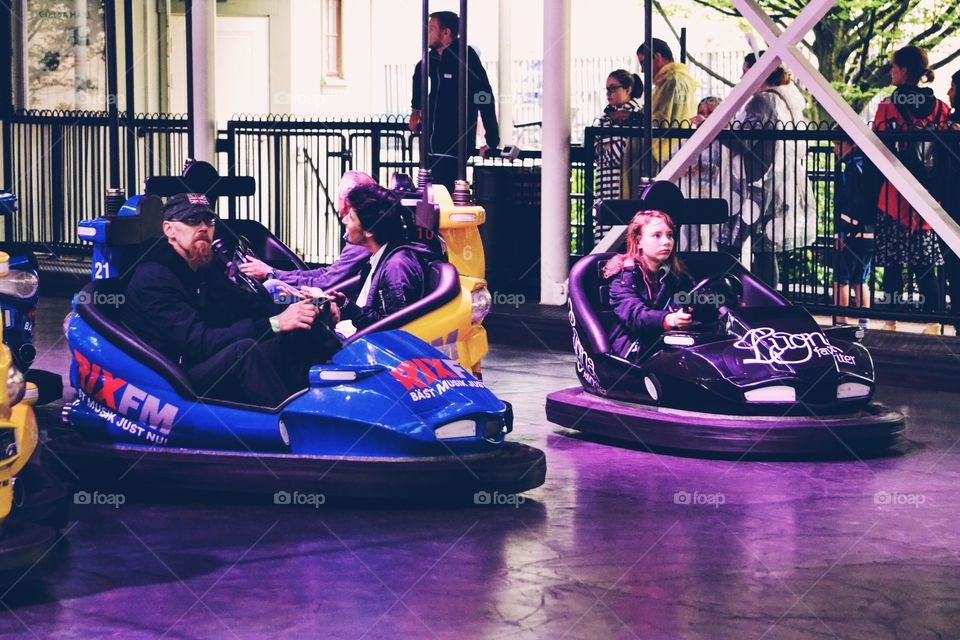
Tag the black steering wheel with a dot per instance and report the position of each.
(231, 255)
(712, 297)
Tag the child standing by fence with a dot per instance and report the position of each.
(855, 214)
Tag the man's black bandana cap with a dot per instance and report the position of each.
(184, 206)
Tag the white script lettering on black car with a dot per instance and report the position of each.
(777, 347)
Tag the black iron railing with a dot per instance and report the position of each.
(780, 181)
(59, 170)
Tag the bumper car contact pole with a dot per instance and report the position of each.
(424, 178)
(115, 197)
(461, 189)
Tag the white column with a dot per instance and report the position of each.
(151, 58)
(505, 73)
(204, 80)
(81, 67)
(555, 187)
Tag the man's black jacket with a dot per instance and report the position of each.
(444, 74)
(190, 315)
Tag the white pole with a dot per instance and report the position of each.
(555, 187)
(81, 68)
(204, 80)
(151, 89)
(505, 72)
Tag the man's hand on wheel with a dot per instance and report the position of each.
(339, 297)
(334, 312)
(299, 315)
(255, 268)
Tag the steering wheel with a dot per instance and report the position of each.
(712, 297)
(231, 256)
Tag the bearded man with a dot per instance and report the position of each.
(231, 344)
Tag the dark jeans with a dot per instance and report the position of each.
(264, 372)
(926, 281)
(443, 170)
(951, 272)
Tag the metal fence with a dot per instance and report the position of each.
(298, 164)
(59, 169)
(781, 183)
(587, 88)
(59, 172)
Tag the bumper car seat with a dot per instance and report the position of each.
(442, 284)
(264, 244)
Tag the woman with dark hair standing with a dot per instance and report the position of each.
(617, 166)
(902, 236)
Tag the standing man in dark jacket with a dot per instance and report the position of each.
(444, 67)
(395, 277)
(231, 345)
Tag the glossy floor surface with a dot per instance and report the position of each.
(618, 543)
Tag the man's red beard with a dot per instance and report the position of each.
(200, 253)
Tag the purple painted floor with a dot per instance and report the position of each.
(616, 544)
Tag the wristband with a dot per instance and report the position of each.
(275, 324)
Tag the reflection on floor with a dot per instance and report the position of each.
(617, 543)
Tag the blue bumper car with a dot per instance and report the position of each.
(390, 417)
(19, 293)
(754, 376)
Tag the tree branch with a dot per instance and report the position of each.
(717, 8)
(693, 61)
(865, 50)
(950, 58)
(897, 15)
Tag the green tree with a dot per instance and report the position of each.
(853, 42)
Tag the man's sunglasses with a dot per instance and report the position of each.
(194, 221)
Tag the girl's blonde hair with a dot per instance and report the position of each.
(634, 232)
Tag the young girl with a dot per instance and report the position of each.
(646, 279)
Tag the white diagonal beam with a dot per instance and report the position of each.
(782, 46)
(884, 159)
(728, 108)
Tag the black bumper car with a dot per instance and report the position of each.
(755, 375)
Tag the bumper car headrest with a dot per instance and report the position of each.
(667, 197)
(201, 177)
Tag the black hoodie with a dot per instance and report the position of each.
(916, 106)
(189, 315)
